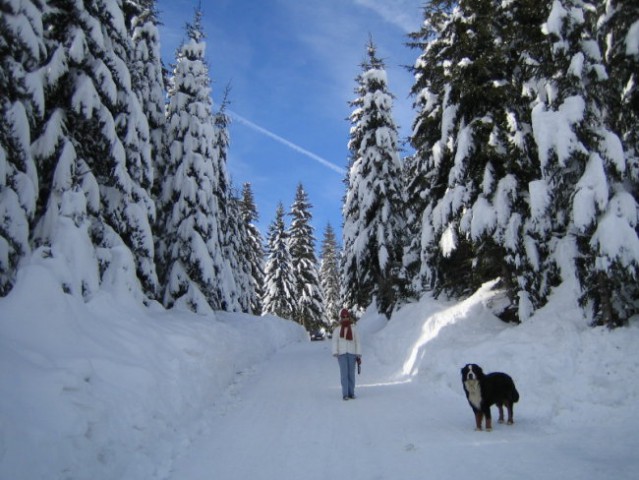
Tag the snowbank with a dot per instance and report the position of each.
(576, 419)
(98, 390)
(565, 370)
(111, 390)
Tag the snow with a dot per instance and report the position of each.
(615, 237)
(591, 195)
(577, 65)
(613, 150)
(101, 390)
(553, 130)
(506, 192)
(483, 219)
(448, 241)
(632, 40)
(110, 389)
(539, 198)
(555, 19)
(464, 148)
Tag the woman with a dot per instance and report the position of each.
(347, 350)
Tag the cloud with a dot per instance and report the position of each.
(401, 13)
(286, 143)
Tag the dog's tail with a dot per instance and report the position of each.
(515, 395)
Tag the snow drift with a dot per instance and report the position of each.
(109, 389)
(98, 390)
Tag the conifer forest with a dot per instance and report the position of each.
(522, 165)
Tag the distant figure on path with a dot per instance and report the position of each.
(347, 350)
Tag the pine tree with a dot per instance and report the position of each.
(91, 191)
(308, 296)
(188, 209)
(461, 83)
(584, 168)
(426, 171)
(254, 249)
(135, 214)
(473, 156)
(22, 52)
(527, 237)
(279, 279)
(232, 235)
(238, 254)
(414, 276)
(373, 207)
(619, 33)
(329, 276)
(147, 77)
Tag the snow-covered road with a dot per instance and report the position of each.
(286, 420)
(108, 390)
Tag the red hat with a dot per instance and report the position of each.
(344, 313)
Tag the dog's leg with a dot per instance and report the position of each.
(489, 420)
(501, 412)
(509, 406)
(478, 419)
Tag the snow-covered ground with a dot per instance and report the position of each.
(111, 390)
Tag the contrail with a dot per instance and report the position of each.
(285, 142)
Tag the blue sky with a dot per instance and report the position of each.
(291, 65)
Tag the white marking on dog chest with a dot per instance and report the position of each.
(474, 393)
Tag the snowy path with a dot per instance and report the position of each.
(286, 420)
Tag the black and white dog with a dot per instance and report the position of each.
(483, 390)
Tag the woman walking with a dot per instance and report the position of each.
(347, 350)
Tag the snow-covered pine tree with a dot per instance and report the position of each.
(92, 196)
(279, 280)
(255, 249)
(373, 209)
(147, 77)
(237, 253)
(329, 276)
(619, 33)
(423, 178)
(235, 280)
(473, 161)
(413, 280)
(584, 169)
(526, 236)
(134, 212)
(22, 52)
(457, 89)
(187, 209)
(308, 295)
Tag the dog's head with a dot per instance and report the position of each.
(471, 371)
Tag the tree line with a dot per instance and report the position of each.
(296, 284)
(113, 170)
(525, 164)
